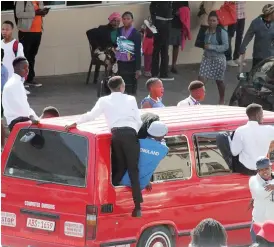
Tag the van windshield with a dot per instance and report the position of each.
(49, 157)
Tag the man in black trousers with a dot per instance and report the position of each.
(124, 120)
(161, 15)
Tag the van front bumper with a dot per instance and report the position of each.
(13, 241)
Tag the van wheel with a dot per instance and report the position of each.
(158, 236)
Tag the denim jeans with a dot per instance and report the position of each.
(252, 233)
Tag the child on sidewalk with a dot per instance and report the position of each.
(147, 46)
(12, 48)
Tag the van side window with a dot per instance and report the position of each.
(209, 160)
(177, 164)
(49, 157)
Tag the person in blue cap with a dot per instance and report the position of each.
(262, 191)
(152, 150)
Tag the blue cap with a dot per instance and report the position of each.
(157, 129)
(262, 163)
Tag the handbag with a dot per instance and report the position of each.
(227, 14)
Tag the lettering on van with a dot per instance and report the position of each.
(40, 205)
(147, 151)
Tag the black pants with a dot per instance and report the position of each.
(31, 42)
(17, 120)
(239, 29)
(125, 157)
(232, 161)
(127, 70)
(160, 46)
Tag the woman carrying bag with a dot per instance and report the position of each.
(213, 65)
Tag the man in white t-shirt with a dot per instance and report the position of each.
(262, 191)
(12, 48)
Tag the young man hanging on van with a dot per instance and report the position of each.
(15, 101)
(248, 142)
(124, 120)
(152, 150)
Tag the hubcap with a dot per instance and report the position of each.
(158, 239)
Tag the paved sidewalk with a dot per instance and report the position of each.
(71, 95)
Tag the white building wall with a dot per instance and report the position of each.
(64, 48)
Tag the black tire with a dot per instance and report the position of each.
(157, 234)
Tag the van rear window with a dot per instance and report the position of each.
(49, 157)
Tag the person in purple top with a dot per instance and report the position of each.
(128, 53)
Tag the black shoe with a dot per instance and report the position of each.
(33, 84)
(136, 213)
(167, 78)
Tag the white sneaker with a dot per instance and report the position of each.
(27, 92)
(167, 78)
(238, 62)
(231, 63)
(152, 28)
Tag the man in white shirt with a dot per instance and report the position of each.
(197, 94)
(12, 48)
(252, 140)
(14, 99)
(262, 191)
(123, 119)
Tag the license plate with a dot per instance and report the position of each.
(41, 224)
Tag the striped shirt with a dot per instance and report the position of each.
(240, 8)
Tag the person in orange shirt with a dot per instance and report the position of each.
(28, 16)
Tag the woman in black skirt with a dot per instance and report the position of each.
(128, 53)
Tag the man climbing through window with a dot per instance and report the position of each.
(152, 150)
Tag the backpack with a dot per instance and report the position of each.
(14, 11)
(15, 47)
(200, 41)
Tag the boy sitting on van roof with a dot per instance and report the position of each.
(152, 150)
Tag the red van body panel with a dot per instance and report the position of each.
(178, 204)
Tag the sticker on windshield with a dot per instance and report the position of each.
(8, 219)
(74, 229)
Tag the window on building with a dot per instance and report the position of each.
(209, 160)
(49, 157)
(7, 5)
(177, 164)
